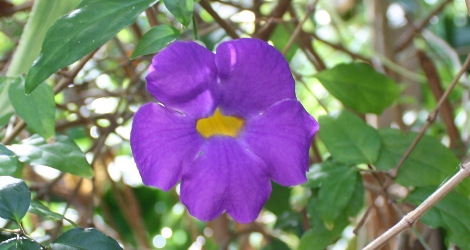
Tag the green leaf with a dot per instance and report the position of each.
(278, 202)
(63, 155)
(8, 161)
(20, 244)
(359, 87)
(181, 9)
(36, 109)
(155, 39)
(336, 190)
(15, 198)
(276, 244)
(92, 24)
(430, 160)
(6, 110)
(320, 236)
(38, 208)
(79, 238)
(349, 139)
(451, 213)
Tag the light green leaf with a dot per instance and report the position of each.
(359, 87)
(38, 208)
(451, 213)
(19, 244)
(155, 39)
(79, 238)
(181, 9)
(15, 198)
(349, 139)
(8, 161)
(86, 28)
(431, 161)
(6, 110)
(36, 109)
(63, 155)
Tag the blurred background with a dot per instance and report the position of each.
(410, 41)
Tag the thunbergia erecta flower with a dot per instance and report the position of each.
(225, 125)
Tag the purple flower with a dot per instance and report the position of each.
(228, 123)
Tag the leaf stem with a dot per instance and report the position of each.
(195, 30)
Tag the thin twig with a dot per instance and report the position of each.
(230, 31)
(432, 116)
(310, 10)
(403, 43)
(410, 219)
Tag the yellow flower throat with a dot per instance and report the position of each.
(219, 124)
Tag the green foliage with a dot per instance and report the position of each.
(7, 110)
(278, 202)
(19, 244)
(38, 208)
(15, 198)
(430, 160)
(83, 30)
(181, 9)
(155, 39)
(336, 182)
(321, 234)
(88, 238)
(63, 154)
(450, 213)
(359, 87)
(36, 109)
(8, 161)
(349, 139)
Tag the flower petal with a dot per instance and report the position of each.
(183, 76)
(281, 137)
(226, 177)
(254, 76)
(163, 143)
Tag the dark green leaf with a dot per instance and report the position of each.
(349, 139)
(8, 161)
(155, 39)
(19, 244)
(79, 238)
(93, 23)
(430, 160)
(359, 87)
(181, 9)
(278, 202)
(38, 208)
(15, 198)
(63, 155)
(451, 213)
(276, 244)
(321, 236)
(36, 109)
(336, 191)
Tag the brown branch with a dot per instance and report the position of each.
(265, 32)
(432, 116)
(405, 40)
(446, 112)
(225, 25)
(411, 218)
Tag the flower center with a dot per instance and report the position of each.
(219, 125)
